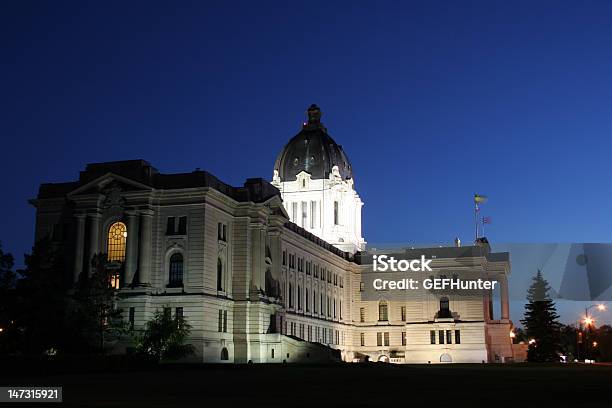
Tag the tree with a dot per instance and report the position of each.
(40, 309)
(94, 306)
(540, 321)
(568, 340)
(164, 337)
(603, 337)
(8, 279)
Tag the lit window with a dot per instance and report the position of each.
(114, 281)
(117, 235)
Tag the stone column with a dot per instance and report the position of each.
(485, 303)
(80, 247)
(144, 258)
(257, 251)
(131, 256)
(94, 238)
(505, 302)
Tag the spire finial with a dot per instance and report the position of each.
(314, 114)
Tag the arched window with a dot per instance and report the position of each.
(175, 270)
(224, 354)
(117, 236)
(383, 312)
(444, 308)
(219, 274)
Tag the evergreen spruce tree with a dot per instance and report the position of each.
(540, 321)
(94, 309)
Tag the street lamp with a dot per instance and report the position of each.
(589, 321)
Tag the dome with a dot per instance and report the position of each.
(313, 151)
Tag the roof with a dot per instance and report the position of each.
(314, 151)
(253, 190)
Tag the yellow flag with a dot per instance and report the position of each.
(480, 199)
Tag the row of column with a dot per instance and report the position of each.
(504, 300)
(138, 245)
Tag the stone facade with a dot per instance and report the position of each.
(253, 285)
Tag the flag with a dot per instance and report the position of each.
(486, 220)
(480, 199)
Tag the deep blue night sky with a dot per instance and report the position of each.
(432, 101)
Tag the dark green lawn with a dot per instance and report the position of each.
(337, 385)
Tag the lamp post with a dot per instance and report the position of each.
(589, 321)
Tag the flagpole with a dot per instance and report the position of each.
(475, 218)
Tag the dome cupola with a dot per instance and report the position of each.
(312, 150)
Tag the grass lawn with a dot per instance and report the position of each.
(374, 384)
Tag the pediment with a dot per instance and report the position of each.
(109, 184)
(276, 206)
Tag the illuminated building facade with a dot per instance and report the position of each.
(265, 272)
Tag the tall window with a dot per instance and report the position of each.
(304, 213)
(432, 336)
(182, 226)
(379, 339)
(322, 305)
(313, 214)
(441, 336)
(336, 214)
(117, 236)
(219, 274)
(170, 226)
(362, 314)
(362, 335)
(403, 338)
(176, 270)
(403, 313)
(386, 338)
(383, 312)
(221, 230)
(457, 337)
(334, 308)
